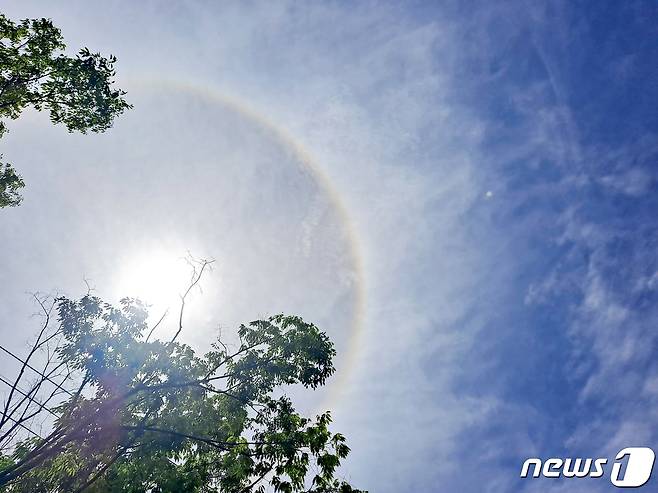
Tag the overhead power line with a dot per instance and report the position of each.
(31, 399)
(27, 365)
(26, 428)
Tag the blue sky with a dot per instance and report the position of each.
(484, 175)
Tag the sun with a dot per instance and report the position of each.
(156, 277)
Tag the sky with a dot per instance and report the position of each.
(461, 194)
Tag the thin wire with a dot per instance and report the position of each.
(31, 399)
(26, 428)
(35, 370)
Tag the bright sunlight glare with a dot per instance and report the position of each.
(156, 277)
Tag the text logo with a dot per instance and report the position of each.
(631, 468)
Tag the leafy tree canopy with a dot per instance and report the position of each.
(152, 415)
(76, 90)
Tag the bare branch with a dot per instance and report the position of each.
(197, 273)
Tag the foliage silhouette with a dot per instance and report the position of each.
(34, 72)
(152, 415)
